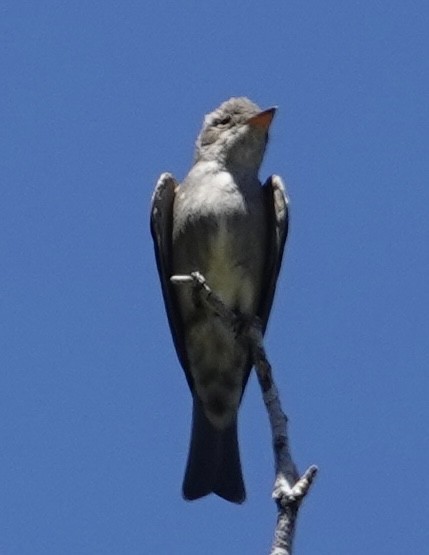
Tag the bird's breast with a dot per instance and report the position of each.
(232, 267)
(219, 230)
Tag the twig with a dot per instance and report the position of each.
(289, 488)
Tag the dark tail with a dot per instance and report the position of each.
(213, 461)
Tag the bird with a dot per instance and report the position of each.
(222, 222)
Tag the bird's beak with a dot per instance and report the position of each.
(263, 119)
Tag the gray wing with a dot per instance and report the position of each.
(276, 204)
(161, 224)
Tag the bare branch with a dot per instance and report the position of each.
(289, 488)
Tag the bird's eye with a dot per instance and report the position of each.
(223, 121)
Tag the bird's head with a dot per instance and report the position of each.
(235, 135)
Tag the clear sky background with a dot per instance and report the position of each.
(97, 99)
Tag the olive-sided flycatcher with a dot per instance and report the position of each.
(224, 224)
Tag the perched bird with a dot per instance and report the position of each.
(223, 223)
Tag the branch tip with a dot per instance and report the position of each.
(181, 279)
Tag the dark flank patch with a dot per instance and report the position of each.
(229, 380)
(217, 404)
(208, 379)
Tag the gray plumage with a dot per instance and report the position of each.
(221, 222)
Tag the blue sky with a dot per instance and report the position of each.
(99, 98)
